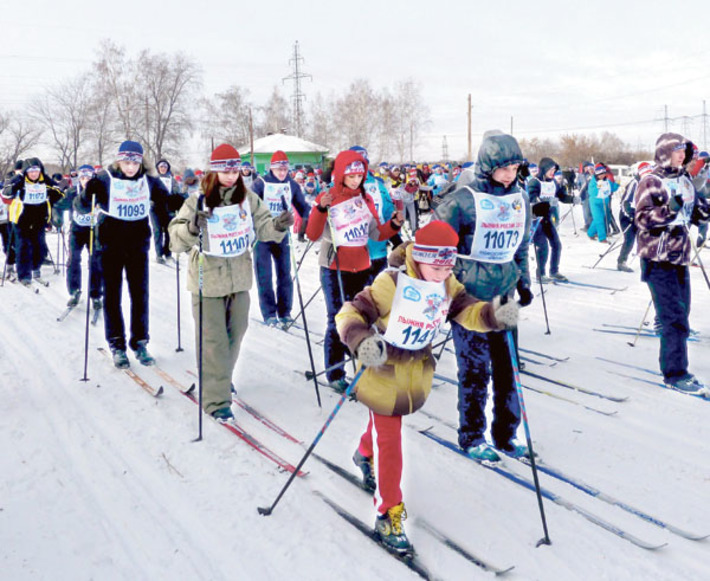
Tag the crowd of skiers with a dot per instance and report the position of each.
(455, 238)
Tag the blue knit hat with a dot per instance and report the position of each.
(86, 171)
(130, 151)
(362, 151)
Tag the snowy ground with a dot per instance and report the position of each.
(98, 480)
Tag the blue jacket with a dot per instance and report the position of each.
(486, 280)
(377, 248)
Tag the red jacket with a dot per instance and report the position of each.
(350, 258)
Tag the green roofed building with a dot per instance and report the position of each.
(299, 151)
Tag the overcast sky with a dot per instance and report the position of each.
(554, 67)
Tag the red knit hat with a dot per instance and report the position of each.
(279, 159)
(435, 244)
(644, 168)
(224, 158)
(600, 169)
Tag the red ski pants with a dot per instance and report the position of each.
(383, 440)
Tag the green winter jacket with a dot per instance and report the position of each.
(485, 280)
(220, 276)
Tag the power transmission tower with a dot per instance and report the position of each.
(297, 97)
(444, 150)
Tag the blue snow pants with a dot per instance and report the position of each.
(333, 349)
(480, 355)
(279, 304)
(670, 289)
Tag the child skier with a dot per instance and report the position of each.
(492, 215)
(389, 326)
(666, 205)
(79, 238)
(33, 193)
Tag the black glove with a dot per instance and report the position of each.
(676, 203)
(198, 222)
(283, 221)
(525, 293)
(541, 209)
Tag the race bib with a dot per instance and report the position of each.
(83, 220)
(230, 230)
(374, 190)
(500, 227)
(683, 186)
(129, 200)
(350, 222)
(418, 310)
(273, 194)
(35, 194)
(547, 190)
(168, 183)
(603, 189)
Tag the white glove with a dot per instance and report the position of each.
(372, 351)
(506, 314)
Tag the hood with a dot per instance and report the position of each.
(170, 169)
(665, 145)
(31, 162)
(342, 161)
(189, 177)
(497, 150)
(545, 164)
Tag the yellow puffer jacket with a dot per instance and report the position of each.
(403, 383)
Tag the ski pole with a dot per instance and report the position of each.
(200, 281)
(518, 388)
(612, 246)
(574, 224)
(443, 345)
(303, 308)
(267, 510)
(177, 278)
(310, 374)
(643, 322)
(91, 270)
(300, 301)
(697, 256)
(533, 229)
(59, 248)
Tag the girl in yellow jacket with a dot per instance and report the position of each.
(390, 326)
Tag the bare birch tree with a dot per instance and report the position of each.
(227, 117)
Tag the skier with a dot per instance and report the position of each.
(276, 189)
(398, 356)
(344, 219)
(543, 191)
(124, 194)
(161, 238)
(666, 205)
(79, 238)
(599, 190)
(377, 190)
(626, 216)
(583, 180)
(492, 216)
(218, 228)
(33, 193)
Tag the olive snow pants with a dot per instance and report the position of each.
(224, 323)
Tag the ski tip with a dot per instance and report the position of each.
(160, 391)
